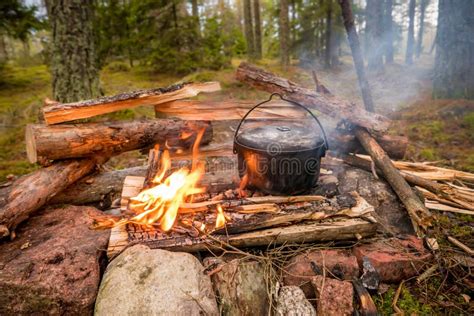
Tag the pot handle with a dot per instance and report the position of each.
(289, 101)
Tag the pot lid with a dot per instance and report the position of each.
(280, 137)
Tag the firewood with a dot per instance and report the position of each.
(325, 103)
(82, 140)
(419, 214)
(225, 110)
(65, 112)
(444, 193)
(32, 191)
(344, 229)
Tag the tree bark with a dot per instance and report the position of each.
(55, 112)
(354, 43)
(248, 27)
(454, 66)
(74, 63)
(56, 142)
(258, 29)
(419, 214)
(374, 32)
(328, 53)
(284, 34)
(421, 28)
(31, 192)
(326, 104)
(388, 31)
(411, 33)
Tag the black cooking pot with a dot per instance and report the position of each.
(280, 158)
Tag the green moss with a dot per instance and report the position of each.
(428, 154)
(409, 304)
(469, 121)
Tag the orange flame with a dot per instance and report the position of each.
(220, 219)
(160, 204)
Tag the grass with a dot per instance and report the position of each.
(437, 129)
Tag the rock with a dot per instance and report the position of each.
(240, 285)
(292, 302)
(395, 259)
(144, 281)
(370, 277)
(54, 264)
(333, 297)
(390, 212)
(300, 269)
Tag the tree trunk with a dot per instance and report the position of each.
(31, 192)
(195, 13)
(258, 29)
(354, 43)
(388, 28)
(327, 57)
(284, 33)
(411, 33)
(74, 64)
(374, 33)
(454, 66)
(248, 27)
(56, 142)
(419, 45)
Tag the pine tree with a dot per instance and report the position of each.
(388, 31)
(258, 29)
(454, 61)
(74, 63)
(284, 34)
(421, 28)
(248, 27)
(374, 33)
(411, 33)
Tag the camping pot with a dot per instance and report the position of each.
(280, 158)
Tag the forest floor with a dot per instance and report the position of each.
(438, 130)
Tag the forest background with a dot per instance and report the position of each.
(419, 56)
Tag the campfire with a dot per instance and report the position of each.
(193, 195)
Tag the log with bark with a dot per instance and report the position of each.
(64, 112)
(82, 140)
(250, 216)
(31, 192)
(325, 103)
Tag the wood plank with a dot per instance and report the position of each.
(64, 112)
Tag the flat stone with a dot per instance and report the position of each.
(144, 281)
(333, 297)
(292, 302)
(390, 212)
(395, 259)
(54, 264)
(240, 285)
(340, 263)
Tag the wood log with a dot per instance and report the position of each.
(32, 191)
(226, 110)
(65, 112)
(325, 103)
(111, 138)
(344, 229)
(419, 214)
(101, 189)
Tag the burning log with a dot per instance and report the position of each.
(83, 140)
(325, 103)
(32, 191)
(103, 188)
(64, 112)
(344, 229)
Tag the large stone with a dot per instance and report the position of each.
(292, 302)
(300, 269)
(240, 285)
(395, 259)
(333, 297)
(390, 212)
(144, 281)
(53, 266)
